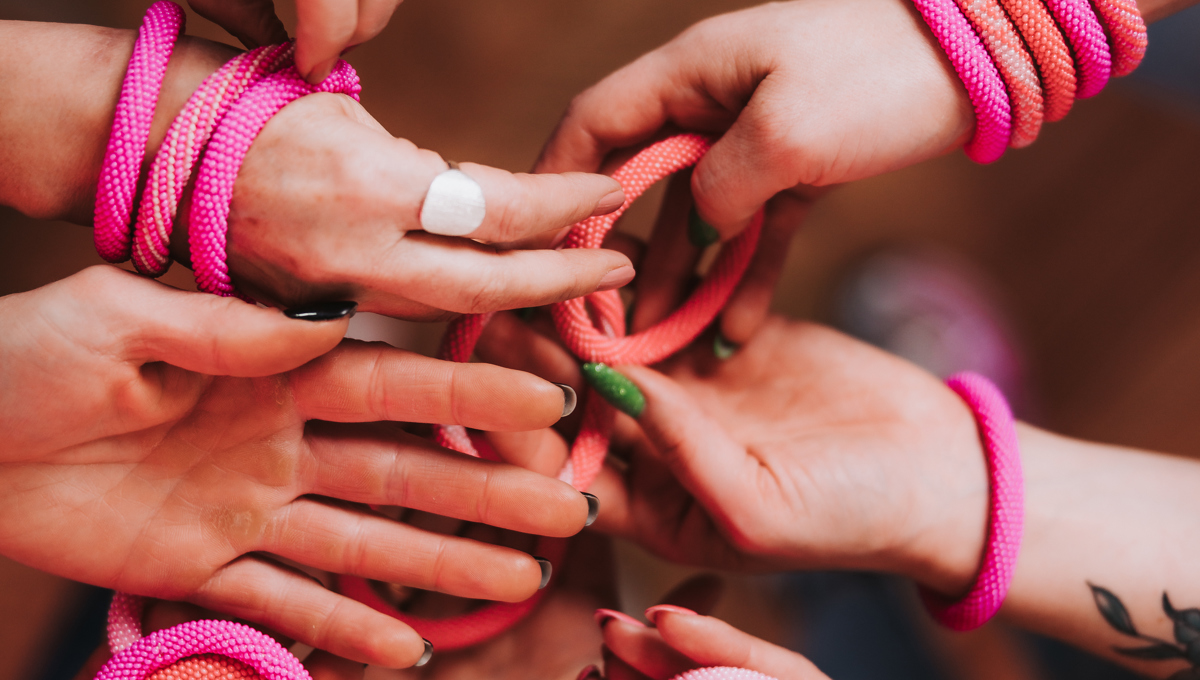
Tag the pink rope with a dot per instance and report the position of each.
(1006, 516)
(122, 164)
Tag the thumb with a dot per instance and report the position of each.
(711, 642)
(755, 159)
(206, 333)
(253, 22)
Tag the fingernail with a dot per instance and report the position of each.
(526, 313)
(322, 71)
(615, 388)
(701, 233)
(547, 570)
(603, 616)
(593, 508)
(610, 203)
(592, 672)
(653, 612)
(616, 278)
(722, 348)
(426, 656)
(569, 399)
(322, 311)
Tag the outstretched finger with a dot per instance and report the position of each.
(348, 540)
(381, 466)
(297, 606)
(323, 29)
(366, 382)
(465, 277)
(708, 641)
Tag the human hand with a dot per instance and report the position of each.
(325, 29)
(805, 449)
(327, 205)
(167, 444)
(679, 639)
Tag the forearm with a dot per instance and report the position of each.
(60, 84)
(1111, 517)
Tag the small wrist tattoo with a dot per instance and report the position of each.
(1187, 632)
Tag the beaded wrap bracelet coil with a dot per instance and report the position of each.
(1126, 32)
(186, 139)
(978, 73)
(122, 165)
(1051, 55)
(237, 130)
(1015, 63)
(1093, 61)
(1006, 508)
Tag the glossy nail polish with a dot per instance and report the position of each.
(653, 612)
(593, 507)
(701, 233)
(426, 656)
(722, 348)
(603, 616)
(547, 571)
(570, 399)
(615, 388)
(323, 311)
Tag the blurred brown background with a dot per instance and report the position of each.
(1091, 237)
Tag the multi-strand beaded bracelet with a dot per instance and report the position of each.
(1024, 62)
(219, 123)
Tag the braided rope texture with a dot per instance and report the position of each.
(1015, 64)
(209, 218)
(186, 138)
(985, 87)
(1050, 52)
(1006, 512)
(1093, 61)
(126, 148)
(1126, 32)
(600, 340)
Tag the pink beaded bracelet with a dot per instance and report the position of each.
(231, 140)
(131, 129)
(1093, 61)
(1126, 31)
(186, 139)
(993, 114)
(1006, 515)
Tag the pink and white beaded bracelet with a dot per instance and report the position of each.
(122, 165)
(186, 139)
(209, 223)
(1006, 508)
(985, 88)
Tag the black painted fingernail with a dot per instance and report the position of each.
(526, 313)
(547, 570)
(570, 399)
(323, 311)
(701, 233)
(593, 508)
(590, 673)
(615, 388)
(426, 656)
(722, 348)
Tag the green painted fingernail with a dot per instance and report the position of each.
(615, 388)
(722, 348)
(701, 233)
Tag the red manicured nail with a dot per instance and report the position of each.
(603, 616)
(657, 609)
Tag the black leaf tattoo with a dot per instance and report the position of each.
(1186, 628)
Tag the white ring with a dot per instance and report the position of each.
(454, 204)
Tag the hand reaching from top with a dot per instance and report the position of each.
(175, 444)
